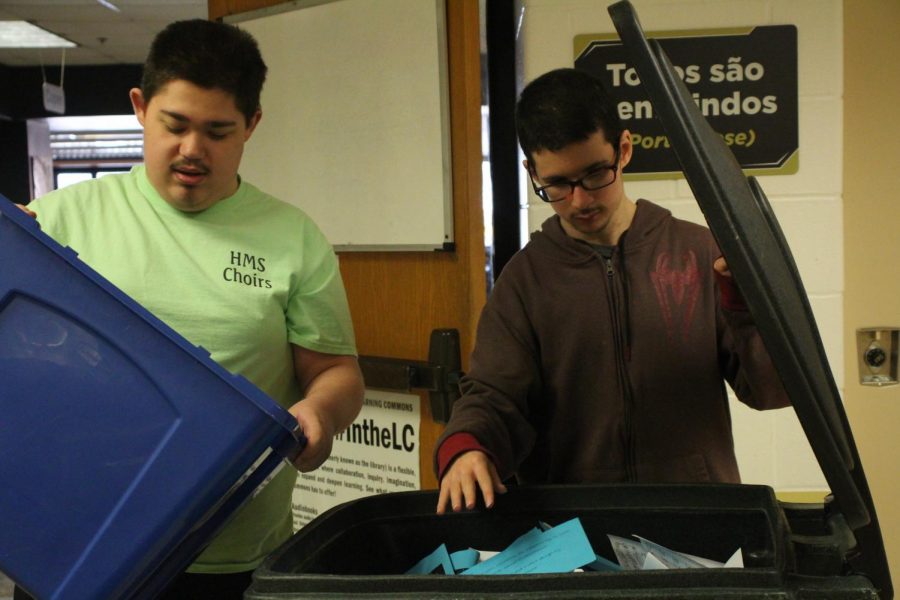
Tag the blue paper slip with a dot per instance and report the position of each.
(561, 549)
(450, 563)
(439, 558)
(600, 564)
(464, 559)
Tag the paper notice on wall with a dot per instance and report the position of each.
(378, 453)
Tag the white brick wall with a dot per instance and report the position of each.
(772, 448)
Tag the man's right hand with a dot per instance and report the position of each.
(27, 211)
(469, 472)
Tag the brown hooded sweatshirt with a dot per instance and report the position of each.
(595, 370)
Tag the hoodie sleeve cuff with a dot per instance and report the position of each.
(730, 294)
(453, 446)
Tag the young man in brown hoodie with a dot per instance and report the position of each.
(604, 348)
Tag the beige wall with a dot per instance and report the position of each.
(872, 239)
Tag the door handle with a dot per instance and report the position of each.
(439, 375)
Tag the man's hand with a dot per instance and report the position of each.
(721, 267)
(319, 436)
(471, 471)
(333, 395)
(27, 211)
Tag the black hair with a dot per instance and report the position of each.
(209, 54)
(561, 107)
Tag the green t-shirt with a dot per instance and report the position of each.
(244, 279)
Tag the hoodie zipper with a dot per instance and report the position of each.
(619, 309)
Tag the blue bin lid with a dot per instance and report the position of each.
(123, 447)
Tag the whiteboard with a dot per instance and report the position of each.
(355, 125)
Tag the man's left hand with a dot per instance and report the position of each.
(721, 267)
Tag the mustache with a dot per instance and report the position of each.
(191, 165)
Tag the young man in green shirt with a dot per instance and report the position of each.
(242, 274)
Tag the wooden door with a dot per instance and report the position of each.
(398, 298)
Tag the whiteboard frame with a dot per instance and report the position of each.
(340, 243)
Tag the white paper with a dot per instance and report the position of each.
(647, 555)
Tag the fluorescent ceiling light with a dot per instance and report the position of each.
(22, 34)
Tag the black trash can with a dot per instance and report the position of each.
(361, 549)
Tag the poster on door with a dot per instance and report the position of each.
(378, 453)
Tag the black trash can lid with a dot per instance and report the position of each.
(741, 219)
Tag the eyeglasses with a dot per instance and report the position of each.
(559, 190)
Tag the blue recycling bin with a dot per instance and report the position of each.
(123, 447)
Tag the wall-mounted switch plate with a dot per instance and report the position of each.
(876, 349)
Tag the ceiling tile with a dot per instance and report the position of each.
(127, 33)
